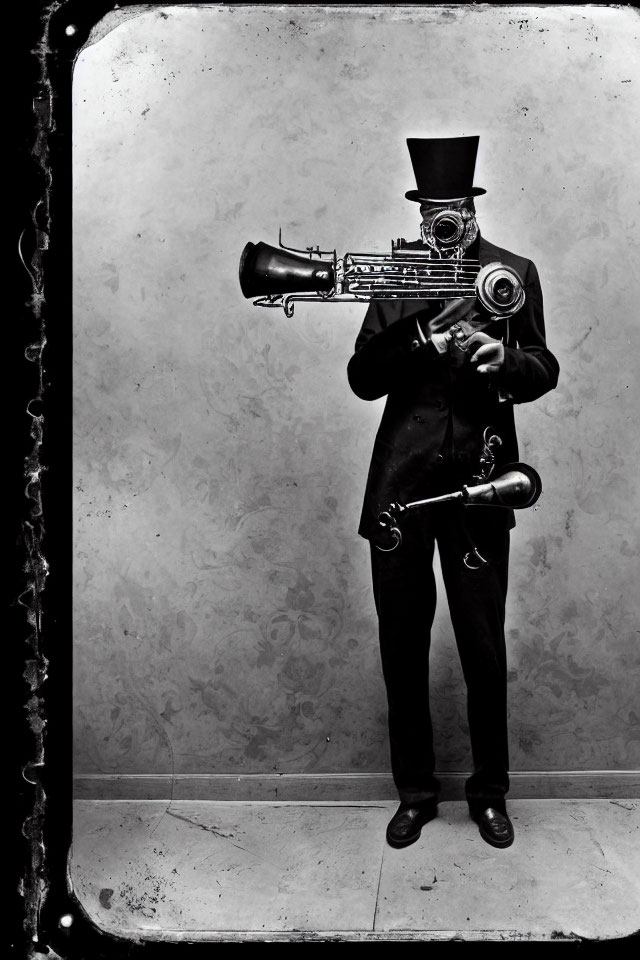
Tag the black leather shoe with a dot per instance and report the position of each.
(495, 827)
(407, 822)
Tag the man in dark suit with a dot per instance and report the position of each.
(443, 392)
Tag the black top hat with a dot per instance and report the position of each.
(444, 168)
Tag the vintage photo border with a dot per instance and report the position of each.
(48, 919)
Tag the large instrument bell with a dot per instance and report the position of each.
(269, 271)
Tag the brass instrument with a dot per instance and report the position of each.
(280, 276)
(514, 485)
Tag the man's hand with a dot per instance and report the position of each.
(486, 352)
(454, 310)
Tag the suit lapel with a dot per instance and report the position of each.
(488, 252)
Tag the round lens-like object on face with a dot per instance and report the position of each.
(448, 227)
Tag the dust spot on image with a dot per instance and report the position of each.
(568, 523)
(105, 897)
(539, 555)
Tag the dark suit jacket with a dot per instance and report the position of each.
(426, 391)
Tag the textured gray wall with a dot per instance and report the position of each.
(223, 615)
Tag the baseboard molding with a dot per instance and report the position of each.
(525, 784)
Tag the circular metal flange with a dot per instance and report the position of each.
(499, 289)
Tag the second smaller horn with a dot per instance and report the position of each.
(514, 485)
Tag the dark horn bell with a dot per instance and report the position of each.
(268, 271)
(515, 485)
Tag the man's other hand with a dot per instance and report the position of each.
(486, 352)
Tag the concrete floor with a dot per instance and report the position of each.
(199, 869)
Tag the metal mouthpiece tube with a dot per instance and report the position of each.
(458, 495)
(388, 519)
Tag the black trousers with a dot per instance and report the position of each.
(405, 596)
